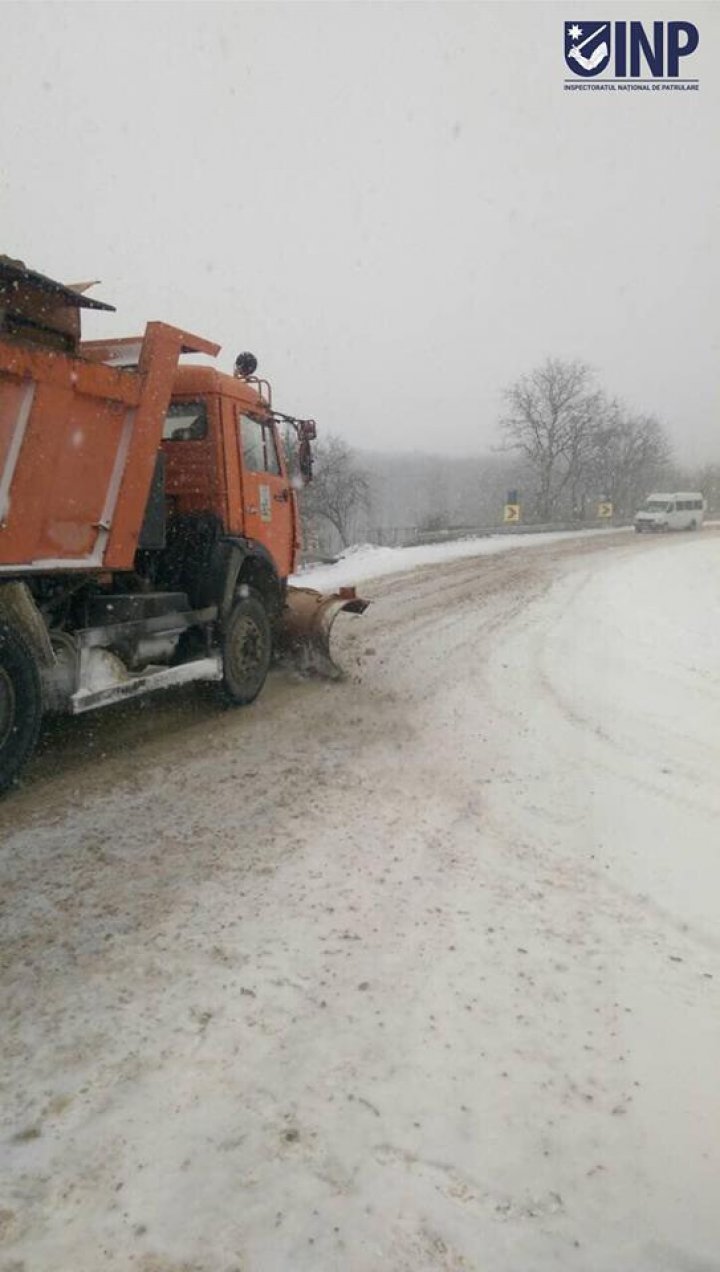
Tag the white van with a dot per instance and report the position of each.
(682, 511)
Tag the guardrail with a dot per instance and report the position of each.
(483, 532)
(410, 538)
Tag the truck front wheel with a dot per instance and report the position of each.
(246, 650)
(20, 704)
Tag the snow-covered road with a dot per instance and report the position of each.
(418, 971)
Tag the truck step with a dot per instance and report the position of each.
(132, 685)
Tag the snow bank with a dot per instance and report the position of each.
(364, 561)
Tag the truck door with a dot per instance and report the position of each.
(267, 503)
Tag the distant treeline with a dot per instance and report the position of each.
(563, 445)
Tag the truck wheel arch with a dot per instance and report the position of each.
(240, 563)
(19, 611)
(21, 702)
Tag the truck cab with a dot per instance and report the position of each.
(224, 458)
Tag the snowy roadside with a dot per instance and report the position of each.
(417, 972)
(365, 561)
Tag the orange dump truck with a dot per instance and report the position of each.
(148, 522)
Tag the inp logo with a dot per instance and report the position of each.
(587, 47)
(653, 52)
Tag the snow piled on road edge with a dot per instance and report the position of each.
(365, 561)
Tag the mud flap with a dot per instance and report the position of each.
(303, 635)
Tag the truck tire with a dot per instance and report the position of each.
(246, 650)
(21, 704)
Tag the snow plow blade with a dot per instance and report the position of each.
(307, 618)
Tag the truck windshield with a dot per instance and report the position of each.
(185, 421)
(656, 505)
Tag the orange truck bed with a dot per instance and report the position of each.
(78, 444)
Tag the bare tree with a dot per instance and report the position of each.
(705, 478)
(629, 454)
(550, 415)
(340, 488)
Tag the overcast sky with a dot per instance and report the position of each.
(395, 206)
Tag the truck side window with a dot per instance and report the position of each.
(185, 421)
(259, 451)
(271, 455)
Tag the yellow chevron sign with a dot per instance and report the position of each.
(512, 512)
(605, 508)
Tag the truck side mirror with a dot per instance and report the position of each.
(305, 460)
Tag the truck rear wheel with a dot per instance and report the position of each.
(20, 704)
(246, 650)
